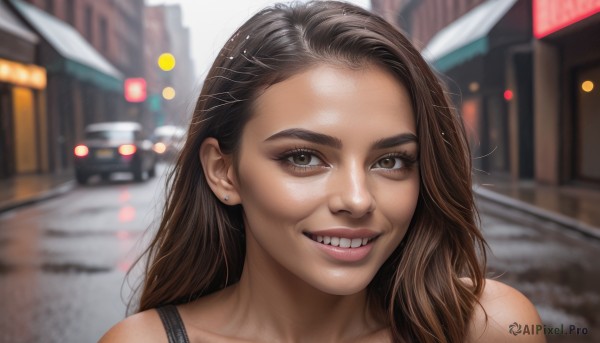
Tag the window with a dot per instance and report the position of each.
(103, 35)
(89, 22)
(50, 6)
(70, 12)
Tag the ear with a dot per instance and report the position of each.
(219, 172)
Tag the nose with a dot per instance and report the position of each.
(351, 193)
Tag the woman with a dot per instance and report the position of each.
(323, 195)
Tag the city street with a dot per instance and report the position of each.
(63, 263)
(554, 267)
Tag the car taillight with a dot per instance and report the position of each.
(159, 147)
(81, 151)
(127, 149)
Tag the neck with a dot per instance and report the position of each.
(275, 305)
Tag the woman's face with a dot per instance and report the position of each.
(328, 177)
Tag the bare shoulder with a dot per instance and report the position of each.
(141, 327)
(510, 317)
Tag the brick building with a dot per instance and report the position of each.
(527, 99)
(88, 48)
(114, 28)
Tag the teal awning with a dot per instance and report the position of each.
(81, 60)
(466, 37)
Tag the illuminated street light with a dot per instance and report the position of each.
(168, 93)
(166, 61)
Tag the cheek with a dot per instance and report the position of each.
(268, 194)
(397, 203)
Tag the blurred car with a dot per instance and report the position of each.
(168, 141)
(114, 147)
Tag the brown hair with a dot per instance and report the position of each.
(200, 246)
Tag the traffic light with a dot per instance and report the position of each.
(135, 89)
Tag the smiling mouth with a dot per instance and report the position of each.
(341, 241)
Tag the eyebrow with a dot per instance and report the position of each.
(322, 139)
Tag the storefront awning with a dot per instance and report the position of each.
(81, 60)
(467, 36)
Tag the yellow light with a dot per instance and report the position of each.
(587, 86)
(4, 70)
(27, 75)
(166, 61)
(37, 77)
(168, 93)
(21, 75)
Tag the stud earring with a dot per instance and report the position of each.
(226, 198)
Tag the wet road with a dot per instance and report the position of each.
(555, 268)
(63, 264)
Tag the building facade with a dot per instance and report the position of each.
(116, 30)
(517, 71)
(22, 98)
(567, 91)
(82, 87)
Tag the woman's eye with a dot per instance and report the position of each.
(304, 159)
(390, 163)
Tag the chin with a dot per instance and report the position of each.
(342, 285)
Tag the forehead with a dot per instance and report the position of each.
(336, 100)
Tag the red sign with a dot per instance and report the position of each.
(552, 15)
(135, 89)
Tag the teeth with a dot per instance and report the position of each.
(335, 241)
(340, 242)
(345, 243)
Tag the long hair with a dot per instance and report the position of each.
(200, 245)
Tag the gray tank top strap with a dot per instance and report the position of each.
(173, 324)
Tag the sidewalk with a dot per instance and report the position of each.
(26, 189)
(576, 208)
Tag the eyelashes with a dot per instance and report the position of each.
(305, 160)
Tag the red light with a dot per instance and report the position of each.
(81, 151)
(508, 95)
(127, 149)
(135, 89)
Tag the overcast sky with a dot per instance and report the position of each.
(212, 21)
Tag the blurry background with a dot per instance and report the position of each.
(523, 74)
